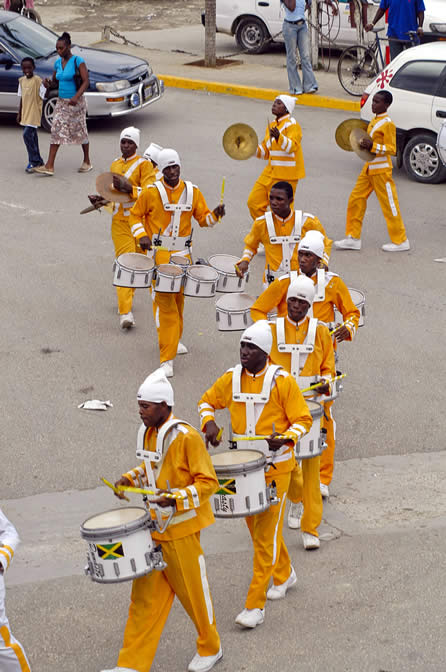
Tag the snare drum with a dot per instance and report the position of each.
(179, 260)
(441, 142)
(233, 312)
(200, 281)
(133, 270)
(120, 547)
(311, 444)
(228, 280)
(242, 486)
(358, 299)
(169, 278)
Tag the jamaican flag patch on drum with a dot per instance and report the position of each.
(110, 551)
(227, 487)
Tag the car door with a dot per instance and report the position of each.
(272, 14)
(439, 103)
(414, 87)
(9, 77)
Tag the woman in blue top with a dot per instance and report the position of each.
(69, 125)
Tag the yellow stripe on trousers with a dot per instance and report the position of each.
(4, 632)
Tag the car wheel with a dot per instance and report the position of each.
(49, 105)
(252, 35)
(421, 160)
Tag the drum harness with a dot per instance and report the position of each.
(288, 242)
(171, 238)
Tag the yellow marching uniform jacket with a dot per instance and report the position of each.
(382, 130)
(187, 468)
(280, 238)
(284, 155)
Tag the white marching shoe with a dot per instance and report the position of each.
(294, 515)
(311, 542)
(167, 367)
(348, 243)
(126, 321)
(121, 669)
(325, 492)
(204, 663)
(181, 349)
(250, 618)
(278, 592)
(392, 247)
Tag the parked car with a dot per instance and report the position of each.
(119, 83)
(255, 23)
(417, 81)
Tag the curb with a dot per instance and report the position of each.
(309, 100)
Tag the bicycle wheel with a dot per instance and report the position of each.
(357, 67)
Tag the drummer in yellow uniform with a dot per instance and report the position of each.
(264, 400)
(282, 149)
(186, 468)
(296, 328)
(280, 230)
(162, 217)
(330, 292)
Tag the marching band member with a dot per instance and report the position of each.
(151, 154)
(280, 231)
(330, 292)
(296, 328)
(282, 149)
(283, 418)
(139, 173)
(376, 176)
(164, 212)
(12, 655)
(185, 464)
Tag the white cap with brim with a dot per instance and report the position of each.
(152, 152)
(259, 334)
(313, 241)
(301, 288)
(156, 388)
(168, 157)
(288, 101)
(131, 133)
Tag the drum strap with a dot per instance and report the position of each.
(159, 454)
(184, 205)
(254, 402)
(288, 242)
(299, 351)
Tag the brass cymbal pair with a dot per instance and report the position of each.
(348, 136)
(240, 141)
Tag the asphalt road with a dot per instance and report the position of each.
(369, 599)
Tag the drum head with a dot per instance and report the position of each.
(115, 518)
(358, 297)
(224, 263)
(236, 302)
(315, 409)
(172, 270)
(133, 261)
(233, 457)
(179, 260)
(198, 272)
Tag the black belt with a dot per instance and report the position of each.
(297, 23)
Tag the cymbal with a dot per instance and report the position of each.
(343, 131)
(240, 141)
(104, 186)
(355, 136)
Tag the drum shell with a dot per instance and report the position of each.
(248, 481)
(137, 548)
(311, 444)
(179, 260)
(358, 299)
(236, 319)
(124, 276)
(169, 283)
(228, 281)
(200, 287)
(441, 142)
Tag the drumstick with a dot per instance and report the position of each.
(115, 490)
(222, 195)
(256, 438)
(142, 491)
(238, 271)
(332, 380)
(338, 327)
(220, 434)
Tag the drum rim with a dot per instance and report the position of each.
(240, 468)
(317, 411)
(235, 310)
(187, 262)
(211, 268)
(231, 274)
(254, 512)
(167, 275)
(135, 270)
(123, 530)
(353, 289)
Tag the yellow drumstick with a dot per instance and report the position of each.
(256, 438)
(222, 195)
(220, 434)
(115, 490)
(338, 327)
(323, 382)
(142, 491)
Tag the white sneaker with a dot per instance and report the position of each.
(311, 542)
(121, 669)
(126, 321)
(402, 247)
(348, 243)
(278, 592)
(181, 349)
(168, 368)
(204, 663)
(294, 515)
(250, 618)
(324, 490)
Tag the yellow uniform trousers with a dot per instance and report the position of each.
(327, 457)
(153, 595)
(384, 187)
(271, 557)
(258, 199)
(304, 487)
(124, 242)
(168, 314)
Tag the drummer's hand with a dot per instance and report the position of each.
(145, 243)
(323, 388)
(219, 211)
(368, 27)
(342, 334)
(366, 143)
(94, 198)
(275, 444)
(211, 430)
(120, 183)
(164, 501)
(242, 267)
(122, 481)
(274, 132)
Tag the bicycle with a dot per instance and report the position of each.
(359, 65)
(24, 8)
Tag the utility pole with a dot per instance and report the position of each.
(210, 30)
(314, 35)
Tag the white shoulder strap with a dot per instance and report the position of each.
(162, 192)
(133, 167)
(298, 221)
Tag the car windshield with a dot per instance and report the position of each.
(27, 38)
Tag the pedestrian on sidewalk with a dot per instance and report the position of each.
(404, 16)
(69, 125)
(295, 35)
(31, 92)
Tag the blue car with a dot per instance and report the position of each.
(119, 83)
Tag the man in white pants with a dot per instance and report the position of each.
(12, 655)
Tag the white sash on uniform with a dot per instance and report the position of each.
(299, 351)
(127, 175)
(170, 238)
